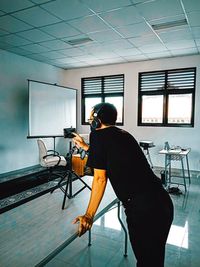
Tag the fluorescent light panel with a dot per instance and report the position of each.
(79, 41)
(170, 24)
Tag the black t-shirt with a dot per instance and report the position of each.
(116, 151)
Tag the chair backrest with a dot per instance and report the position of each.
(42, 150)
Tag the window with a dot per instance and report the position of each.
(102, 89)
(166, 98)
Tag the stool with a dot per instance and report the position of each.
(146, 145)
(177, 154)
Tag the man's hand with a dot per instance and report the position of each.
(85, 223)
(79, 142)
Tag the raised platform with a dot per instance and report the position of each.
(17, 181)
(21, 186)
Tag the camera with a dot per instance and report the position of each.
(68, 132)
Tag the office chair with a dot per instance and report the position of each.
(52, 160)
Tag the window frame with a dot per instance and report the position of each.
(165, 92)
(101, 95)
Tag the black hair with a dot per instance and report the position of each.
(106, 112)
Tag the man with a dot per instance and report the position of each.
(114, 154)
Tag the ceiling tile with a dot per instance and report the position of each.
(180, 52)
(105, 5)
(105, 55)
(87, 57)
(67, 9)
(135, 30)
(61, 30)
(14, 40)
(152, 48)
(35, 35)
(13, 25)
(92, 48)
(145, 39)
(160, 8)
(94, 62)
(196, 32)
(122, 16)
(52, 55)
(89, 24)
(104, 36)
(2, 32)
(191, 5)
(36, 17)
(198, 42)
(5, 46)
(159, 55)
(127, 52)
(136, 58)
(118, 44)
(19, 51)
(72, 52)
(76, 65)
(38, 57)
(194, 19)
(114, 60)
(180, 44)
(41, 1)
(7, 6)
(34, 48)
(68, 60)
(171, 35)
(55, 44)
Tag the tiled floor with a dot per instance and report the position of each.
(107, 249)
(183, 245)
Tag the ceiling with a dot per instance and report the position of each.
(103, 31)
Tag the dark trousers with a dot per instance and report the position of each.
(149, 218)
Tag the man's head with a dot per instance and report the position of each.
(103, 113)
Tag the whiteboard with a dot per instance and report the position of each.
(51, 109)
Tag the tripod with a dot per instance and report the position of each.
(71, 176)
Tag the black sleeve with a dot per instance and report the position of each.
(97, 152)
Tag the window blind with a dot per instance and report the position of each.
(92, 86)
(170, 79)
(181, 79)
(152, 81)
(106, 85)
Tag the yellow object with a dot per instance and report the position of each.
(78, 164)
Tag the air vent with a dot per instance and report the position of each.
(170, 24)
(79, 41)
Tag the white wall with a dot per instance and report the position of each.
(185, 137)
(16, 151)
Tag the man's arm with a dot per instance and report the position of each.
(98, 189)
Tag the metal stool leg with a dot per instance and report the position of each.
(183, 171)
(124, 228)
(188, 169)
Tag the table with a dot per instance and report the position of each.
(33, 233)
(74, 236)
(176, 154)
